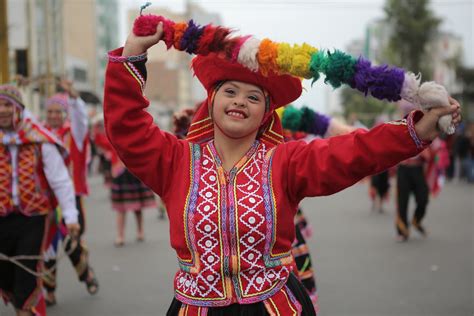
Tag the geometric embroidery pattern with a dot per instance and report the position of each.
(6, 203)
(208, 237)
(31, 196)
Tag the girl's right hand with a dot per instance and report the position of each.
(137, 45)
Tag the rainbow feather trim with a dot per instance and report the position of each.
(304, 61)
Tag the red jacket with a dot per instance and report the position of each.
(233, 232)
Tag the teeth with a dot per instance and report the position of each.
(236, 114)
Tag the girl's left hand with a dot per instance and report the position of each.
(427, 127)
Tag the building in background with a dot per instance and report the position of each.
(50, 39)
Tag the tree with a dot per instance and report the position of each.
(366, 108)
(412, 25)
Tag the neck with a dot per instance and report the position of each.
(231, 150)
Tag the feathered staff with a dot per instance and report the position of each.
(305, 61)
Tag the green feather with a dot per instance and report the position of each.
(339, 68)
(291, 119)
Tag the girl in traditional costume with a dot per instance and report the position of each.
(232, 187)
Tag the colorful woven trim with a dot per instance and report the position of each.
(129, 59)
(304, 61)
(411, 118)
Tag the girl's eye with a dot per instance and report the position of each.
(254, 98)
(230, 91)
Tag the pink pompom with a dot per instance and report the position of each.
(145, 25)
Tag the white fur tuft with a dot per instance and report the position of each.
(248, 53)
(445, 124)
(432, 95)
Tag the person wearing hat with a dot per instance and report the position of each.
(66, 117)
(232, 187)
(32, 177)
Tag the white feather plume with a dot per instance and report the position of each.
(248, 53)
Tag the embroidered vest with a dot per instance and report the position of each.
(230, 231)
(33, 190)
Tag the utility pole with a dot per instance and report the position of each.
(4, 65)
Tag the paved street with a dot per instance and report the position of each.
(361, 269)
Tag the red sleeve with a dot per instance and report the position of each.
(327, 166)
(152, 155)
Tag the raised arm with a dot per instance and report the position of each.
(151, 154)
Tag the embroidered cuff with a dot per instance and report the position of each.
(129, 59)
(412, 118)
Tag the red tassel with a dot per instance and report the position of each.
(145, 25)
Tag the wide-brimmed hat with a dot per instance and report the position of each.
(212, 69)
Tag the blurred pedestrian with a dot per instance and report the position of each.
(127, 193)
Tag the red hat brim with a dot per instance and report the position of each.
(211, 69)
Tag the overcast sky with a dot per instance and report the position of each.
(320, 23)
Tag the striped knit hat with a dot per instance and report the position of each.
(11, 94)
(59, 98)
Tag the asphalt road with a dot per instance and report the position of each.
(360, 268)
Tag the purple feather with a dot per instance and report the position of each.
(381, 82)
(320, 124)
(361, 76)
(387, 83)
(191, 37)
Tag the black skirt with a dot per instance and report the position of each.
(255, 309)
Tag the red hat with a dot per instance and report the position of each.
(211, 69)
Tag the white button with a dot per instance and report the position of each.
(205, 162)
(206, 208)
(210, 278)
(212, 178)
(252, 220)
(259, 280)
(251, 256)
(181, 279)
(252, 200)
(252, 271)
(208, 194)
(188, 283)
(210, 259)
(251, 239)
(250, 187)
(207, 228)
(208, 243)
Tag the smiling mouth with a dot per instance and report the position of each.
(237, 114)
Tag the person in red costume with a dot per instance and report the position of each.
(66, 117)
(33, 179)
(232, 187)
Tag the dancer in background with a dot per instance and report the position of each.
(33, 176)
(127, 193)
(66, 117)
